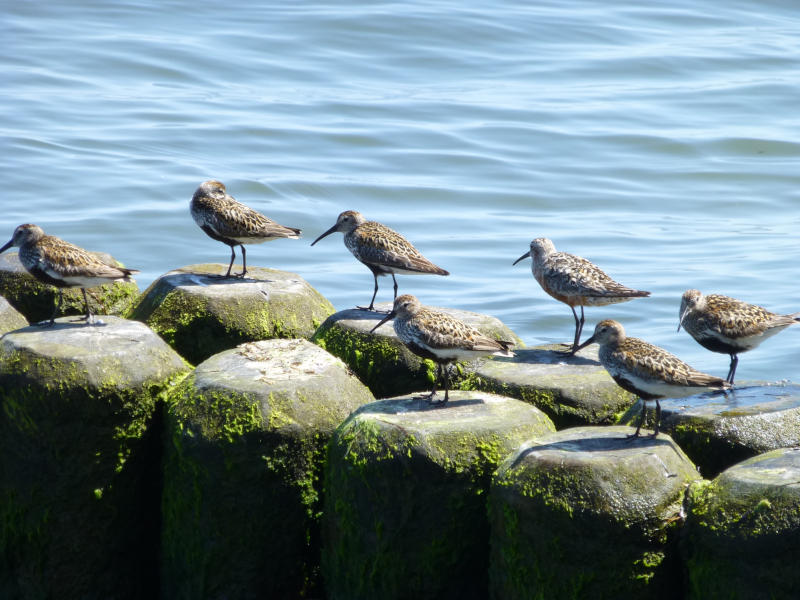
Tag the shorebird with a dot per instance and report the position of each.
(575, 281)
(441, 338)
(646, 370)
(228, 221)
(64, 265)
(729, 326)
(382, 250)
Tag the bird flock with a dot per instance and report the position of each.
(719, 323)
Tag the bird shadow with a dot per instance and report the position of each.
(547, 356)
(394, 406)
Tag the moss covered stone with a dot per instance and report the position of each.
(406, 482)
(571, 390)
(382, 361)
(742, 535)
(80, 453)
(718, 430)
(200, 313)
(36, 300)
(10, 318)
(246, 438)
(588, 513)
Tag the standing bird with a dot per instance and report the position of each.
(727, 325)
(383, 250)
(64, 265)
(575, 281)
(648, 371)
(231, 222)
(440, 337)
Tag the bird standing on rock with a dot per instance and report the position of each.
(646, 370)
(231, 222)
(440, 337)
(64, 265)
(382, 250)
(575, 281)
(729, 326)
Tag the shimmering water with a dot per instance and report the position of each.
(659, 140)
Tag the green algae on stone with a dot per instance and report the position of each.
(10, 318)
(588, 513)
(571, 390)
(718, 430)
(199, 313)
(742, 535)
(246, 435)
(79, 458)
(36, 300)
(382, 361)
(406, 485)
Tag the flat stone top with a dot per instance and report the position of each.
(544, 361)
(364, 320)
(739, 402)
(199, 279)
(465, 411)
(777, 468)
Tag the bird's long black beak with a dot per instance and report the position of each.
(330, 231)
(584, 344)
(388, 317)
(683, 316)
(526, 255)
(7, 246)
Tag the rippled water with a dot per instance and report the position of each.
(658, 140)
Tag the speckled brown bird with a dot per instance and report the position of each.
(575, 281)
(729, 326)
(228, 221)
(382, 250)
(440, 337)
(64, 265)
(646, 370)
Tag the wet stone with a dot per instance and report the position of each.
(36, 300)
(742, 537)
(383, 362)
(80, 445)
(588, 513)
(718, 430)
(571, 390)
(406, 482)
(10, 318)
(246, 442)
(200, 313)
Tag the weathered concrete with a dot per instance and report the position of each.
(245, 448)
(406, 481)
(36, 300)
(718, 430)
(742, 535)
(200, 315)
(571, 390)
(588, 513)
(10, 317)
(79, 458)
(382, 361)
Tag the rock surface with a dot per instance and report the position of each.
(246, 436)
(382, 361)
(10, 317)
(718, 430)
(36, 300)
(199, 313)
(571, 390)
(406, 481)
(588, 513)
(79, 458)
(742, 536)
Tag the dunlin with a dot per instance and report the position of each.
(729, 326)
(439, 337)
(575, 281)
(648, 371)
(382, 250)
(64, 265)
(228, 221)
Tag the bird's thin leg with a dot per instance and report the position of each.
(578, 329)
(446, 372)
(233, 257)
(732, 370)
(52, 320)
(395, 287)
(244, 261)
(435, 381)
(88, 316)
(642, 421)
(374, 293)
(658, 419)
